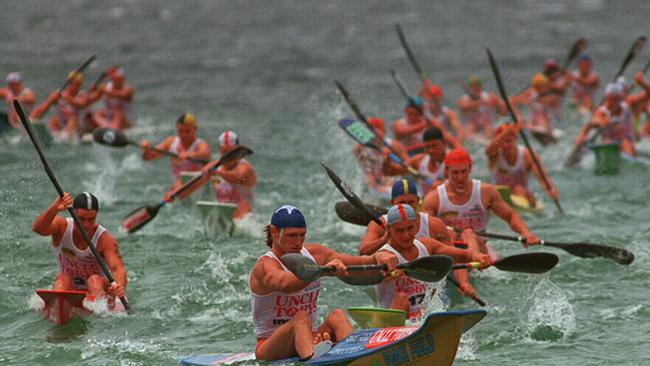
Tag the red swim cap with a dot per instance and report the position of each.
(457, 157)
(376, 123)
(436, 91)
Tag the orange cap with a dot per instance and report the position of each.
(457, 157)
(376, 122)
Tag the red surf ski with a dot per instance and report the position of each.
(61, 304)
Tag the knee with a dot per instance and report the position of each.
(63, 281)
(338, 315)
(302, 317)
(96, 282)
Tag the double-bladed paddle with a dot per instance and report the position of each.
(142, 215)
(409, 54)
(504, 96)
(577, 48)
(535, 263)
(55, 182)
(427, 269)
(116, 138)
(350, 214)
(78, 70)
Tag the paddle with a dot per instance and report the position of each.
(142, 215)
(116, 138)
(504, 96)
(55, 182)
(78, 70)
(350, 214)
(583, 250)
(577, 48)
(523, 263)
(431, 268)
(409, 54)
(576, 154)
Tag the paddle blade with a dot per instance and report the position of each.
(432, 268)
(304, 268)
(350, 195)
(110, 137)
(363, 279)
(586, 250)
(528, 263)
(358, 131)
(138, 218)
(350, 214)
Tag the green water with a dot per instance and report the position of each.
(265, 70)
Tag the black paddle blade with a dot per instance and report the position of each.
(428, 269)
(363, 280)
(110, 137)
(139, 217)
(304, 268)
(350, 195)
(528, 263)
(586, 250)
(350, 214)
(239, 152)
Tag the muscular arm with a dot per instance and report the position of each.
(148, 154)
(406, 129)
(109, 250)
(43, 107)
(242, 174)
(505, 212)
(202, 152)
(431, 203)
(439, 248)
(49, 223)
(373, 239)
(268, 276)
(539, 174)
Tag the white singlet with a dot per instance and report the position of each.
(471, 214)
(78, 264)
(185, 165)
(424, 171)
(511, 175)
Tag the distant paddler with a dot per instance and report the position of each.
(640, 105)
(400, 291)
(479, 109)
(78, 267)
(434, 109)
(70, 104)
(464, 204)
(543, 102)
(185, 144)
(117, 96)
(585, 82)
(510, 164)
(558, 86)
(285, 309)
(615, 120)
(374, 163)
(428, 164)
(16, 90)
(236, 178)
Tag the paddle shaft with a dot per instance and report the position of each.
(78, 70)
(169, 153)
(476, 299)
(409, 54)
(577, 47)
(504, 95)
(55, 182)
(522, 240)
(351, 196)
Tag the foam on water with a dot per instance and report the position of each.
(549, 315)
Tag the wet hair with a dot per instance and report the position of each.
(432, 134)
(86, 201)
(269, 238)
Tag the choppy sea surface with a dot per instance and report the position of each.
(265, 70)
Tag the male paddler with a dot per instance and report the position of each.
(434, 109)
(479, 109)
(285, 309)
(117, 96)
(465, 204)
(585, 83)
(16, 90)
(510, 164)
(403, 292)
(185, 144)
(78, 267)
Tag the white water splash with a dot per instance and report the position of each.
(550, 315)
(468, 347)
(34, 302)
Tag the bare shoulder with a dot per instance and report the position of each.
(107, 242)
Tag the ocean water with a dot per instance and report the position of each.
(266, 70)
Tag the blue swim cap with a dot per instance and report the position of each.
(403, 186)
(584, 57)
(288, 216)
(415, 102)
(400, 213)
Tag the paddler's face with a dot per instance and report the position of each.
(223, 150)
(584, 67)
(612, 100)
(403, 233)
(458, 176)
(15, 86)
(406, 199)
(436, 149)
(509, 141)
(186, 132)
(87, 218)
(475, 89)
(289, 239)
(412, 115)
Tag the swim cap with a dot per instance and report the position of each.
(14, 77)
(399, 213)
(474, 80)
(501, 129)
(584, 57)
(623, 82)
(432, 134)
(228, 138)
(187, 118)
(288, 216)
(614, 88)
(117, 71)
(415, 102)
(550, 65)
(539, 80)
(403, 186)
(86, 201)
(76, 77)
(436, 91)
(457, 157)
(377, 123)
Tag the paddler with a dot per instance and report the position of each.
(408, 130)
(434, 109)
(16, 90)
(428, 164)
(405, 293)
(542, 102)
(78, 268)
(236, 178)
(585, 83)
(185, 144)
(510, 164)
(374, 163)
(464, 204)
(117, 96)
(615, 120)
(558, 85)
(639, 105)
(479, 109)
(285, 309)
